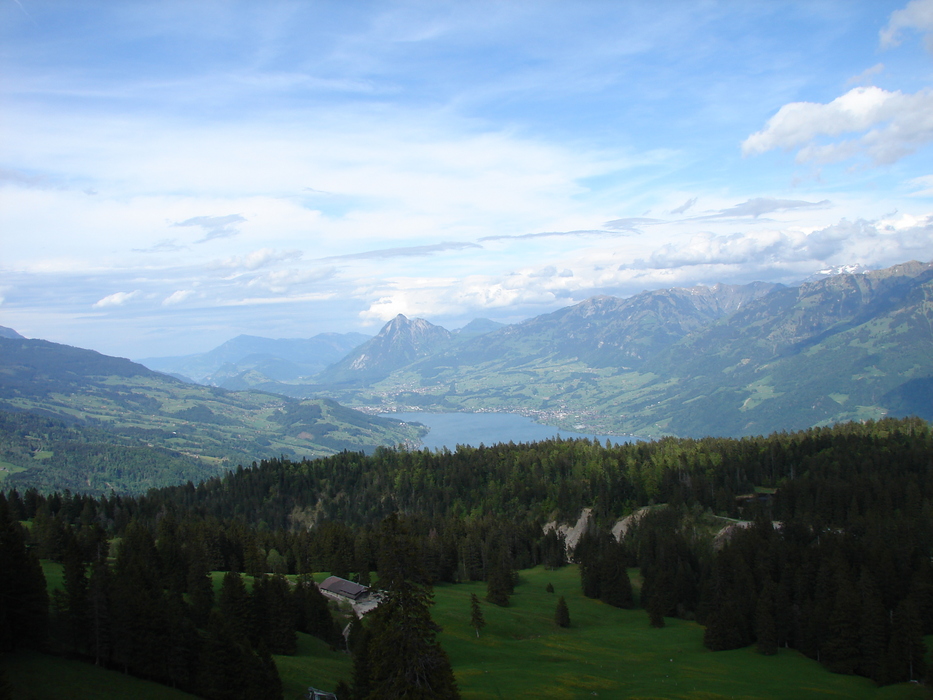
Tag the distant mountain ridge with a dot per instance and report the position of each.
(400, 342)
(151, 429)
(282, 359)
(722, 360)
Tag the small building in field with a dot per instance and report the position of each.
(315, 694)
(341, 589)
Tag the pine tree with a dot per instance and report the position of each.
(221, 663)
(615, 588)
(656, 610)
(6, 688)
(312, 612)
(75, 604)
(873, 630)
(360, 645)
(765, 627)
(342, 691)
(840, 651)
(407, 660)
(24, 600)
(200, 591)
(561, 613)
(906, 649)
(281, 616)
(234, 606)
(99, 609)
(497, 587)
(477, 621)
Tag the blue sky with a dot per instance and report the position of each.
(173, 174)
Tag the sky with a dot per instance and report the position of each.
(176, 173)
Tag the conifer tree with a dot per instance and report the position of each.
(359, 643)
(200, 590)
(840, 651)
(99, 610)
(656, 610)
(615, 588)
(873, 630)
(765, 626)
(561, 613)
(342, 691)
(24, 601)
(906, 648)
(477, 621)
(233, 604)
(312, 613)
(281, 616)
(6, 688)
(407, 660)
(497, 587)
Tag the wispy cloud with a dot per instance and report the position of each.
(116, 299)
(177, 297)
(685, 206)
(406, 251)
(918, 14)
(259, 258)
(214, 226)
(632, 224)
(549, 234)
(164, 246)
(763, 205)
(298, 167)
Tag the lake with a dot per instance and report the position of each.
(452, 429)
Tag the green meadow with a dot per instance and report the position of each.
(612, 653)
(606, 652)
(521, 653)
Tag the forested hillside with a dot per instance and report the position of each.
(73, 418)
(819, 540)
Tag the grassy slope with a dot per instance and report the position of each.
(522, 654)
(36, 676)
(605, 653)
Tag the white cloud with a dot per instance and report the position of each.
(895, 125)
(685, 206)
(177, 297)
(867, 76)
(925, 184)
(116, 299)
(214, 226)
(918, 14)
(259, 258)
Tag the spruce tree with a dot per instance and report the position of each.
(656, 610)
(234, 605)
(561, 613)
(615, 588)
(407, 660)
(765, 626)
(498, 586)
(360, 645)
(24, 600)
(477, 621)
(75, 594)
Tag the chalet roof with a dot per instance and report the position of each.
(342, 587)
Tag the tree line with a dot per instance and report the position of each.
(835, 560)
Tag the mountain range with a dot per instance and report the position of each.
(74, 418)
(248, 359)
(728, 360)
(724, 360)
